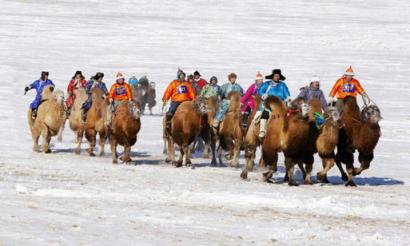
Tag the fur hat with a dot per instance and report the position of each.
(315, 79)
(119, 76)
(259, 76)
(196, 73)
(44, 73)
(98, 75)
(232, 75)
(181, 72)
(213, 78)
(349, 71)
(276, 71)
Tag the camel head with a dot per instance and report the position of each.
(47, 92)
(135, 109)
(201, 104)
(58, 95)
(371, 114)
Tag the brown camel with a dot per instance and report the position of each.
(327, 142)
(252, 141)
(124, 129)
(97, 121)
(272, 143)
(50, 118)
(75, 120)
(207, 134)
(361, 132)
(231, 132)
(186, 124)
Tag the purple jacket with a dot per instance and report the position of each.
(247, 99)
(308, 93)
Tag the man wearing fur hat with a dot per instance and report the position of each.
(274, 86)
(94, 82)
(347, 86)
(179, 91)
(225, 90)
(119, 91)
(307, 93)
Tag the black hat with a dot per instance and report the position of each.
(98, 75)
(44, 73)
(78, 72)
(276, 71)
(213, 78)
(197, 73)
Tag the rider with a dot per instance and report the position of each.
(77, 81)
(212, 89)
(38, 85)
(226, 88)
(247, 99)
(94, 82)
(179, 90)
(274, 86)
(307, 93)
(133, 81)
(194, 84)
(347, 86)
(120, 91)
(199, 81)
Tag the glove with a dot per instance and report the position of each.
(26, 89)
(366, 99)
(288, 101)
(264, 96)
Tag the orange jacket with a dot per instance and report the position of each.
(120, 92)
(342, 88)
(179, 92)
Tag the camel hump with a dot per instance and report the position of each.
(273, 101)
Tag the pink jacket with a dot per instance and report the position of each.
(247, 99)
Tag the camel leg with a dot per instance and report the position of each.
(364, 163)
(80, 134)
(250, 163)
(126, 158)
(186, 161)
(101, 142)
(114, 154)
(205, 154)
(236, 152)
(90, 134)
(213, 149)
(164, 150)
(60, 132)
(46, 139)
(35, 134)
(268, 169)
(220, 157)
(180, 159)
(290, 166)
(350, 171)
(327, 163)
(308, 171)
(302, 169)
(171, 151)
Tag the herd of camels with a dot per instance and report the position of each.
(289, 131)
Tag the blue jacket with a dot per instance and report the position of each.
(133, 81)
(94, 84)
(228, 87)
(274, 89)
(39, 85)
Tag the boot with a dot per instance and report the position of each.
(245, 118)
(34, 113)
(262, 128)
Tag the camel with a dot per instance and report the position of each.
(186, 124)
(75, 120)
(96, 121)
(252, 141)
(231, 132)
(327, 142)
(50, 118)
(125, 126)
(207, 134)
(272, 143)
(361, 132)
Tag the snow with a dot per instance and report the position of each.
(66, 199)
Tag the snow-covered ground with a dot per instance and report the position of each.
(65, 199)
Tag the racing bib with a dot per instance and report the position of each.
(348, 88)
(120, 91)
(183, 89)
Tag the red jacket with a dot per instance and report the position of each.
(75, 84)
(201, 83)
